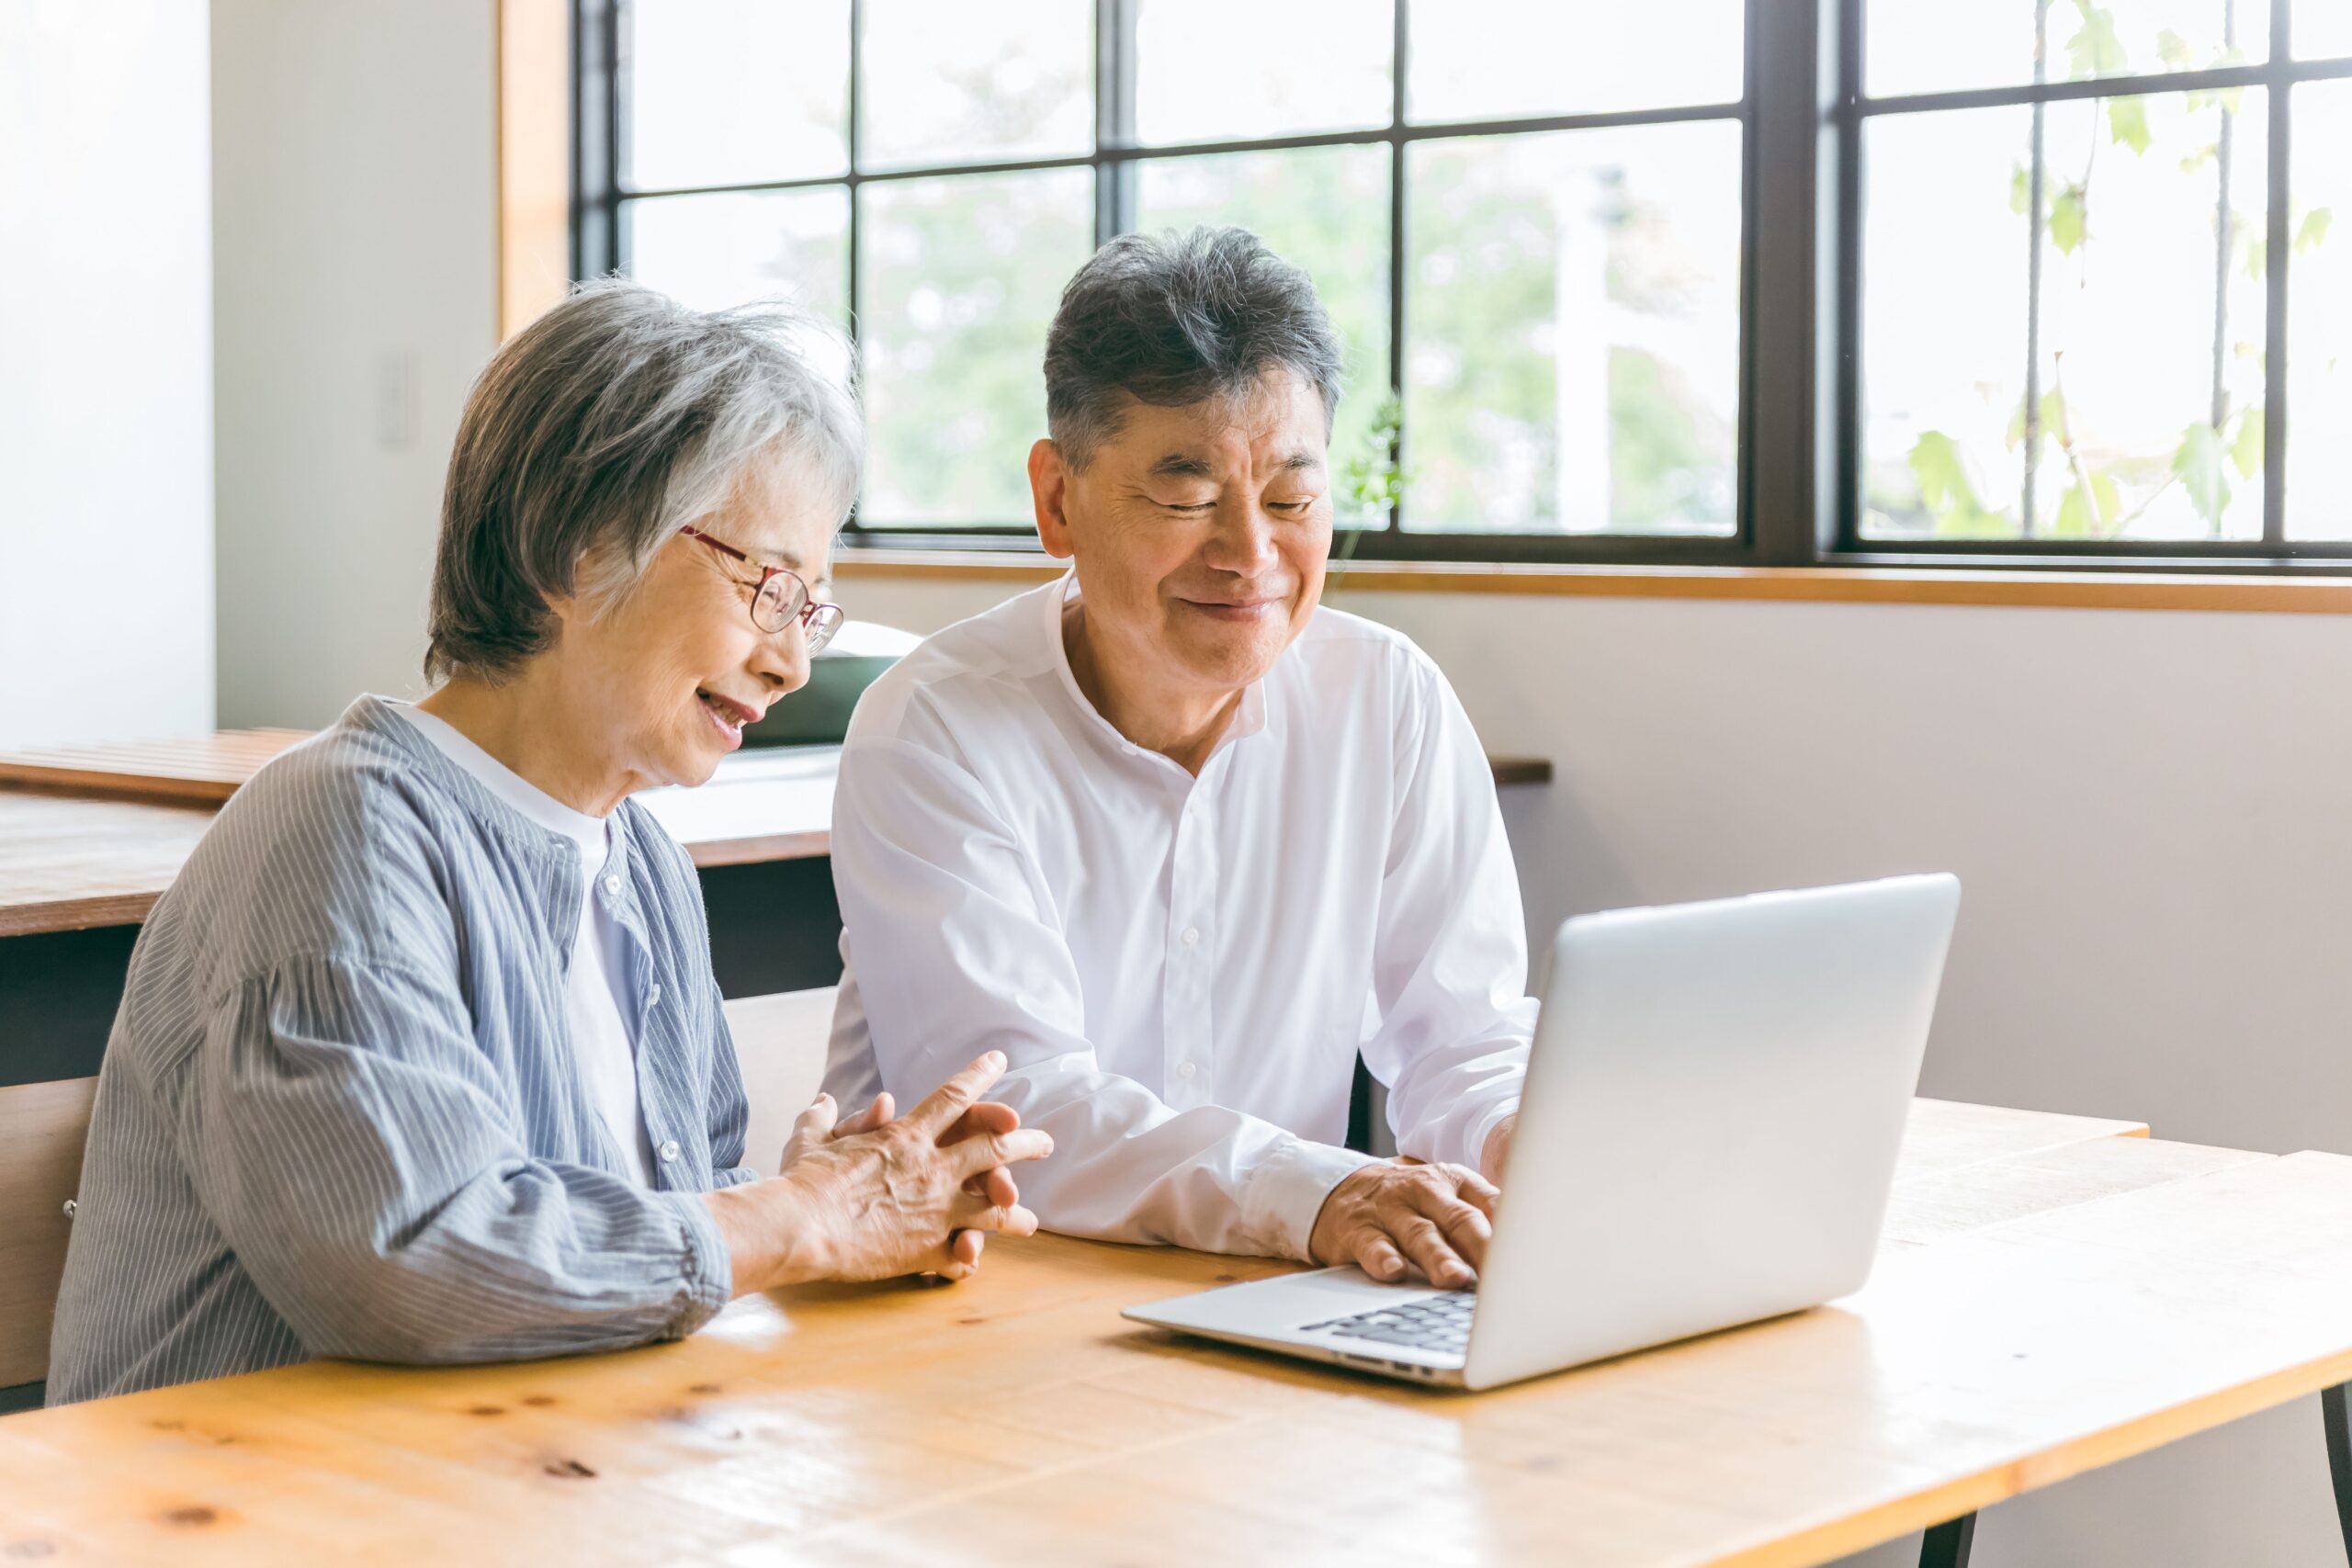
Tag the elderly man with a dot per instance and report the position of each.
(1176, 840)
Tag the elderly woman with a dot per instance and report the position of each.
(421, 1058)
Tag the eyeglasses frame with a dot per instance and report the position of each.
(810, 606)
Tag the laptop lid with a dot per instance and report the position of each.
(1709, 1124)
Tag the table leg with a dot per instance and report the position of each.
(2337, 1416)
(1948, 1544)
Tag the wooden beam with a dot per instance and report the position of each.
(533, 161)
(1846, 585)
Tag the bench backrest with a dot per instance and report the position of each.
(42, 1128)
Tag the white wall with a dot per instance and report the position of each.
(2146, 810)
(355, 203)
(106, 371)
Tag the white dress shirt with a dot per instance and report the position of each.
(595, 1001)
(1180, 971)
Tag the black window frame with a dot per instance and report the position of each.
(1803, 115)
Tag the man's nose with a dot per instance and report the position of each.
(1244, 540)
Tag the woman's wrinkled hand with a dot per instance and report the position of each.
(877, 1195)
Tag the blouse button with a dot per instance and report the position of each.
(653, 998)
(670, 1150)
(613, 885)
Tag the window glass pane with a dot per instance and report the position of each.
(1921, 46)
(2146, 420)
(1498, 58)
(2323, 29)
(1226, 70)
(1572, 349)
(961, 275)
(2319, 319)
(953, 81)
(713, 251)
(728, 92)
(1325, 209)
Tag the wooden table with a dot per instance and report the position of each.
(2150, 1291)
(206, 769)
(68, 862)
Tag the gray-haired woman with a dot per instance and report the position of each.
(421, 1058)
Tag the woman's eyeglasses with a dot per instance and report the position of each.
(780, 598)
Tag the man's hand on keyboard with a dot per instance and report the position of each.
(1392, 1219)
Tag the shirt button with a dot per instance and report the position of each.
(670, 1150)
(1192, 937)
(653, 998)
(73, 1206)
(1187, 1070)
(613, 885)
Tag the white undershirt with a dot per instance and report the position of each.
(595, 994)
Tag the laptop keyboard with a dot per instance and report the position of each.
(1440, 1324)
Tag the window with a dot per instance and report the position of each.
(2094, 278)
(1693, 281)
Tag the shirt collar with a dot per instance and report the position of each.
(1054, 598)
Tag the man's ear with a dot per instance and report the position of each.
(1049, 491)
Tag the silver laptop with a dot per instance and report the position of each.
(1707, 1136)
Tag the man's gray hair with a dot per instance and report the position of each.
(1176, 319)
(600, 430)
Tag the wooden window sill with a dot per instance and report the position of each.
(1849, 585)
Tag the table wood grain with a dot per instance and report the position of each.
(1017, 1419)
(201, 768)
(67, 864)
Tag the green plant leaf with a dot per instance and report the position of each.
(2051, 424)
(2096, 50)
(2020, 190)
(2314, 229)
(1943, 478)
(2069, 220)
(2257, 259)
(2199, 461)
(2074, 514)
(2245, 452)
(2107, 497)
(2054, 417)
(2174, 51)
(2127, 120)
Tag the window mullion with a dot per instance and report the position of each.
(1400, 69)
(1115, 118)
(1780, 489)
(2280, 102)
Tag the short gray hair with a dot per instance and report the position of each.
(595, 434)
(1176, 319)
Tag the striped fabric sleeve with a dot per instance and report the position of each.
(347, 1135)
(730, 1111)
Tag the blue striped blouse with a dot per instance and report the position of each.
(339, 1115)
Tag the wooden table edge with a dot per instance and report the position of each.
(2031, 1473)
(57, 915)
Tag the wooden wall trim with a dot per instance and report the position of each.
(534, 160)
(1852, 585)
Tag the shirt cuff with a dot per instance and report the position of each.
(707, 1269)
(1285, 1193)
(1483, 1127)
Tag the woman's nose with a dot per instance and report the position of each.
(782, 660)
